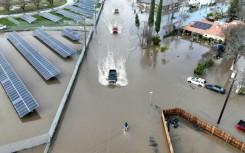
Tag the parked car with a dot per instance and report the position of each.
(116, 11)
(241, 125)
(3, 27)
(216, 88)
(218, 47)
(197, 81)
(112, 77)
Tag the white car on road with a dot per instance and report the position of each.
(197, 81)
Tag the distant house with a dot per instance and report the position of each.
(209, 29)
(167, 4)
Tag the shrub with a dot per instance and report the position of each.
(156, 40)
(164, 48)
(205, 38)
(241, 91)
(210, 14)
(199, 68)
(217, 15)
(210, 62)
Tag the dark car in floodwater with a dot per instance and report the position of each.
(215, 88)
(112, 77)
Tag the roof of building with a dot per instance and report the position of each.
(215, 30)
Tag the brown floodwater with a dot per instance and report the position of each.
(96, 112)
(47, 93)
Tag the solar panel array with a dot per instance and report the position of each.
(83, 12)
(201, 25)
(85, 6)
(53, 43)
(70, 15)
(71, 34)
(28, 18)
(50, 16)
(41, 64)
(91, 2)
(17, 92)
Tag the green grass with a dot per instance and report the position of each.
(41, 21)
(31, 7)
(61, 16)
(6, 22)
(40, 18)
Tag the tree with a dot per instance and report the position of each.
(233, 10)
(235, 42)
(6, 4)
(159, 17)
(51, 2)
(36, 3)
(22, 4)
(150, 20)
(151, 14)
(137, 21)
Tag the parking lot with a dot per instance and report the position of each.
(47, 93)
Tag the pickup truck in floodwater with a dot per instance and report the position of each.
(112, 77)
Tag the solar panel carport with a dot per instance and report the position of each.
(41, 64)
(53, 43)
(28, 18)
(71, 15)
(81, 11)
(71, 34)
(17, 92)
(50, 16)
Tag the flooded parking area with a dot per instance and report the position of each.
(47, 93)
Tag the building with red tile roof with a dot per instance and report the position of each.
(215, 30)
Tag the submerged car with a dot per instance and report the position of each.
(216, 88)
(112, 76)
(197, 81)
(241, 125)
(114, 29)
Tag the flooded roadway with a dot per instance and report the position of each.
(94, 117)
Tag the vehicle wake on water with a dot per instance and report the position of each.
(111, 61)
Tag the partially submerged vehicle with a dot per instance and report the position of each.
(116, 11)
(114, 29)
(197, 81)
(215, 88)
(241, 125)
(112, 77)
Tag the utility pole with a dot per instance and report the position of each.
(226, 100)
(85, 39)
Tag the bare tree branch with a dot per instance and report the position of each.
(22, 4)
(234, 42)
(51, 2)
(36, 3)
(6, 4)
